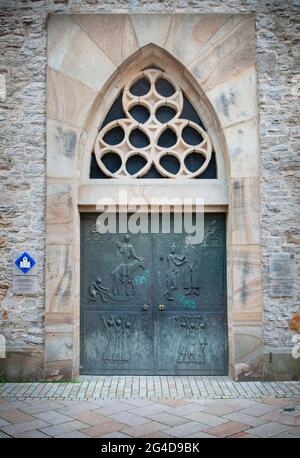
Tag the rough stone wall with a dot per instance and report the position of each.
(23, 142)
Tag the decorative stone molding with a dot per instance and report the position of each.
(211, 58)
(154, 102)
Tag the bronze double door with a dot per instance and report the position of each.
(153, 303)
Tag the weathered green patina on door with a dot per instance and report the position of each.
(153, 303)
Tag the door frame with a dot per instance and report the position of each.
(66, 329)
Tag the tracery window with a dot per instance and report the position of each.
(152, 131)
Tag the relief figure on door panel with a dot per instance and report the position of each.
(96, 288)
(117, 332)
(122, 275)
(174, 261)
(94, 235)
(212, 233)
(191, 280)
(192, 340)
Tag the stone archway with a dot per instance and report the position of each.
(84, 76)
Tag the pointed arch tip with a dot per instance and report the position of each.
(151, 49)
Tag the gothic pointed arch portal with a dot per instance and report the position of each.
(167, 114)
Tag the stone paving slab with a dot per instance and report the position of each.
(246, 419)
(149, 387)
(35, 434)
(16, 416)
(237, 415)
(14, 429)
(269, 429)
(206, 418)
(227, 429)
(186, 429)
(129, 418)
(57, 430)
(53, 418)
(160, 418)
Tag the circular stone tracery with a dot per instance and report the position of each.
(170, 139)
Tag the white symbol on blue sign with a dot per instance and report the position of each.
(25, 262)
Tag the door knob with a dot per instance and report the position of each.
(161, 307)
(145, 307)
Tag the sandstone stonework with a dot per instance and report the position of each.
(23, 61)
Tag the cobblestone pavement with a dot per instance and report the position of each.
(178, 387)
(157, 407)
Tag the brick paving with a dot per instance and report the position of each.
(173, 387)
(150, 407)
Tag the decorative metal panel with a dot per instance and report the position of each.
(153, 303)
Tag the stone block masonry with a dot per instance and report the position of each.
(23, 60)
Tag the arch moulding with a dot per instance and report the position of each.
(212, 59)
